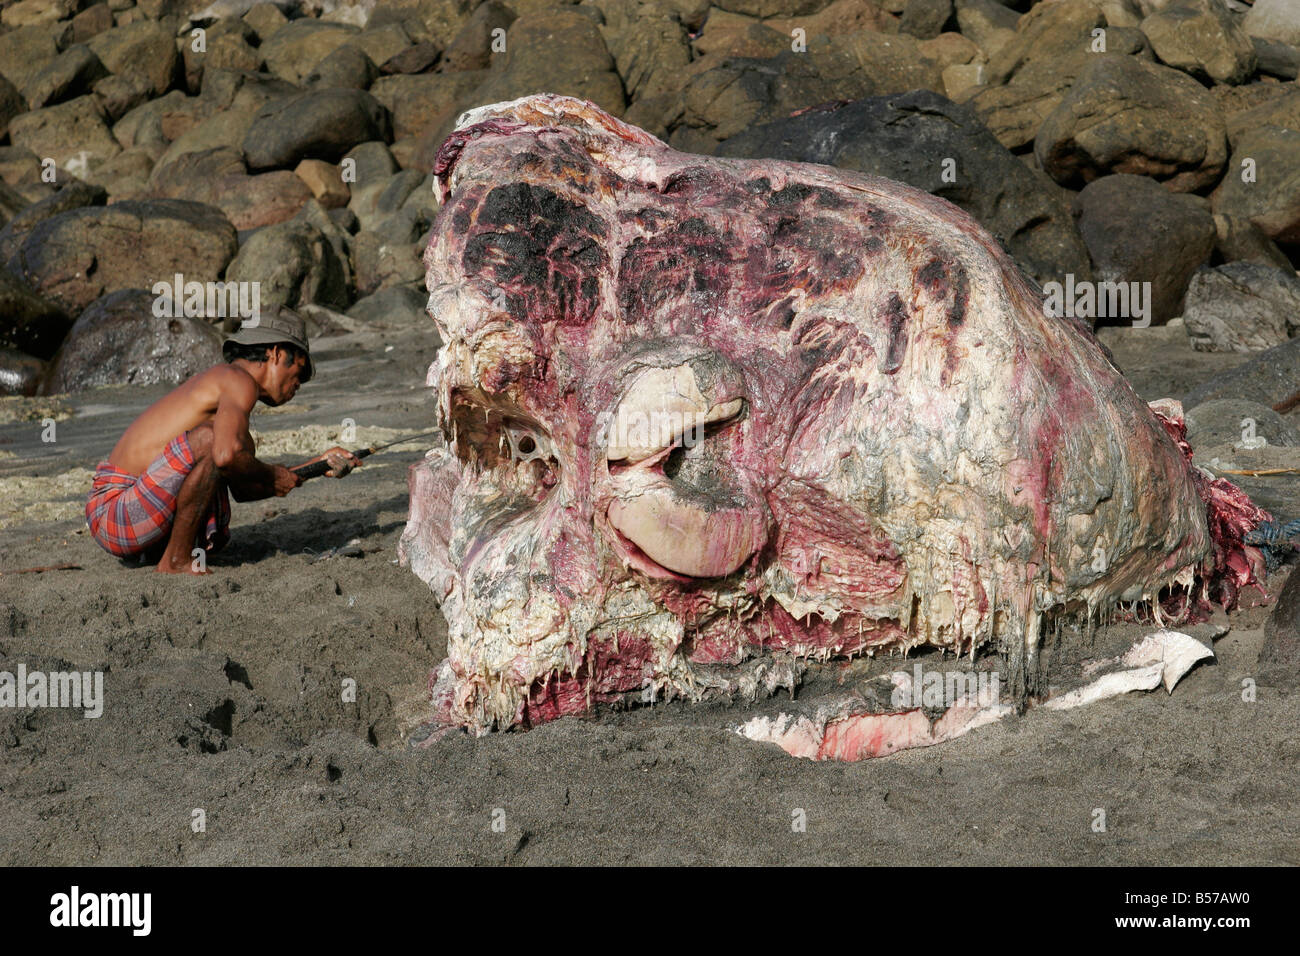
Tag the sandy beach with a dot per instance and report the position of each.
(225, 694)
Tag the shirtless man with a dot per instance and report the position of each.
(164, 484)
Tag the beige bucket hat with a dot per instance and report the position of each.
(272, 328)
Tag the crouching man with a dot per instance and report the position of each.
(163, 490)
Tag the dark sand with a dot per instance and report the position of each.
(223, 693)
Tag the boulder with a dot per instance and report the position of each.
(69, 74)
(23, 52)
(218, 177)
(1240, 240)
(1276, 20)
(416, 58)
(471, 48)
(900, 136)
(1277, 59)
(74, 195)
(1263, 182)
(925, 19)
(1050, 32)
(118, 340)
(1280, 110)
(1124, 115)
(398, 306)
(1220, 422)
(23, 13)
(1138, 231)
(1015, 111)
(145, 48)
(319, 124)
(265, 19)
(379, 262)
(724, 96)
(383, 42)
(11, 104)
(988, 23)
(324, 181)
(229, 46)
(120, 93)
(348, 67)
(1268, 378)
(730, 34)
(559, 51)
(426, 101)
(20, 373)
(295, 50)
(294, 263)
(1241, 307)
(77, 256)
(29, 322)
(95, 19)
(74, 134)
(1202, 38)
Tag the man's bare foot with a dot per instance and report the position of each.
(180, 566)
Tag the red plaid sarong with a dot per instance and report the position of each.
(127, 514)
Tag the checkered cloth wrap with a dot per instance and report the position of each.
(127, 514)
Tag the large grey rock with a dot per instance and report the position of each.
(1277, 59)
(296, 49)
(1124, 115)
(76, 257)
(925, 19)
(1202, 38)
(145, 48)
(1240, 240)
(118, 340)
(20, 373)
(218, 177)
(905, 137)
(28, 322)
(1268, 378)
(72, 196)
(69, 74)
(348, 67)
(1277, 20)
(422, 102)
(1050, 32)
(471, 48)
(401, 306)
(559, 51)
(73, 133)
(1242, 307)
(1263, 182)
(1138, 231)
(294, 263)
(11, 104)
(1227, 421)
(319, 124)
(724, 96)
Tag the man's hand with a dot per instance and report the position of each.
(285, 480)
(341, 462)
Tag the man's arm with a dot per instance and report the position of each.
(232, 445)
